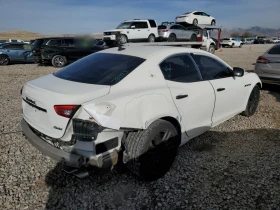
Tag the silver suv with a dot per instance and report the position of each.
(175, 32)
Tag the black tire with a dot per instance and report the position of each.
(151, 38)
(212, 49)
(195, 22)
(193, 38)
(240, 45)
(123, 39)
(4, 60)
(213, 22)
(253, 102)
(59, 61)
(150, 154)
(172, 38)
(232, 45)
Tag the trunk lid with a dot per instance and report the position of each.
(273, 66)
(40, 95)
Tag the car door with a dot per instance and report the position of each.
(184, 33)
(193, 97)
(206, 19)
(140, 31)
(175, 29)
(15, 52)
(70, 48)
(230, 92)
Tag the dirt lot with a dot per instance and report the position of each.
(234, 166)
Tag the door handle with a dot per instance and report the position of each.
(181, 96)
(220, 89)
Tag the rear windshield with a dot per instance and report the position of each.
(100, 69)
(38, 42)
(275, 50)
(162, 27)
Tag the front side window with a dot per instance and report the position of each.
(179, 68)
(211, 68)
(124, 25)
(100, 69)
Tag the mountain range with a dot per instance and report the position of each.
(255, 30)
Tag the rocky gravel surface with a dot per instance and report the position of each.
(233, 166)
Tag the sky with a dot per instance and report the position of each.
(91, 16)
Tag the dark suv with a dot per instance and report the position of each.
(60, 51)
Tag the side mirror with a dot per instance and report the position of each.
(132, 27)
(238, 72)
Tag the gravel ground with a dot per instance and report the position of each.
(234, 166)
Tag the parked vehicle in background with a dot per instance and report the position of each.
(231, 42)
(216, 43)
(101, 43)
(31, 41)
(267, 66)
(275, 39)
(2, 41)
(85, 114)
(133, 31)
(15, 53)
(36, 48)
(15, 40)
(175, 32)
(247, 41)
(195, 18)
(64, 50)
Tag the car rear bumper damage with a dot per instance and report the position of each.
(107, 157)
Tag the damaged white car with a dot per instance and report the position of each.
(139, 103)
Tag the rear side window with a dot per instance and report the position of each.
(162, 27)
(275, 50)
(140, 24)
(55, 42)
(179, 68)
(100, 69)
(38, 42)
(153, 23)
(68, 42)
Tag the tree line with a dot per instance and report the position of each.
(246, 34)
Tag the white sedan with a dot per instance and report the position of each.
(195, 18)
(139, 103)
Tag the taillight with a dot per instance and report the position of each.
(164, 30)
(262, 60)
(64, 110)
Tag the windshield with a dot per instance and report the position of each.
(100, 69)
(124, 25)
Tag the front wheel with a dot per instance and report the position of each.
(212, 49)
(253, 102)
(59, 61)
(150, 153)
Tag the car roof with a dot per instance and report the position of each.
(147, 51)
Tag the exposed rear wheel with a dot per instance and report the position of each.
(213, 22)
(151, 38)
(212, 49)
(193, 38)
(59, 61)
(150, 153)
(195, 22)
(4, 60)
(172, 38)
(253, 102)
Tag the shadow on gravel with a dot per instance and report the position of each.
(273, 90)
(218, 170)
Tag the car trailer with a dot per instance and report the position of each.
(199, 44)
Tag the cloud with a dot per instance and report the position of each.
(73, 16)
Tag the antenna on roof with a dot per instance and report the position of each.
(119, 43)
